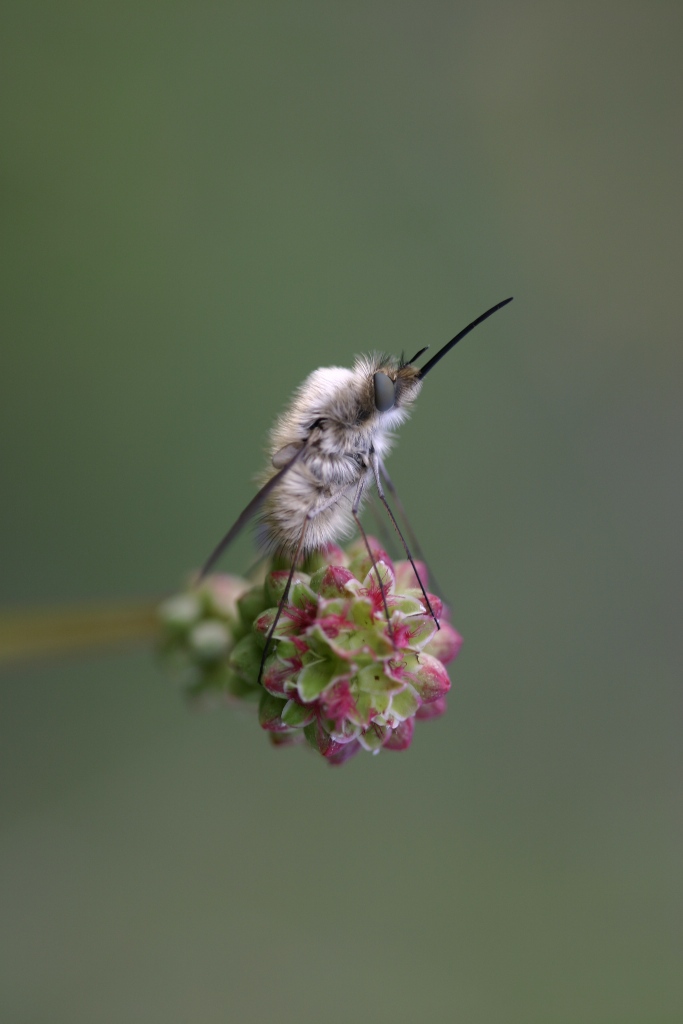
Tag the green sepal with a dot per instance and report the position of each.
(245, 658)
(302, 596)
(278, 675)
(371, 640)
(286, 627)
(406, 604)
(270, 712)
(315, 562)
(402, 666)
(317, 577)
(331, 582)
(422, 629)
(413, 594)
(286, 739)
(372, 679)
(333, 606)
(286, 649)
(361, 565)
(405, 703)
(276, 583)
(367, 705)
(349, 730)
(311, 734)
(320, 645)
(251, 604)
(296, 716)
(372, 739)
(385, 574)
(316, 676)
(362, 611)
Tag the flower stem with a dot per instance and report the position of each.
(38, 633)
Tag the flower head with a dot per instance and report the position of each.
(337, 673)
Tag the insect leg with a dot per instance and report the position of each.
(387, 539)
(362, 483)
(283, 599)
(415, 544)
(311, 514)
(375, 463)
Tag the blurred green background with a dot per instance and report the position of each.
(202, 203)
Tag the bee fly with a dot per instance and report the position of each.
(325, 450)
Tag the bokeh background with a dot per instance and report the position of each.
(202, 203)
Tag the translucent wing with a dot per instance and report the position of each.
(248, 513)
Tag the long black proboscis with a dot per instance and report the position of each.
(454, 341)
(251, 510)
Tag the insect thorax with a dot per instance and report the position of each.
(334, 423)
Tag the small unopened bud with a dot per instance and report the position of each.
(210, 640)
(180, 612)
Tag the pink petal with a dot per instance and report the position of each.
(432, 710)
(338, 703)
(277, 673)
(405, 577)
(286, 739)
(401, 737)
(430, 679)
(445, 644)
(361, 563)
(437, 605)
(225, 591)
(334, 555)
(334, 582)
(344, 753)
(328, 747)
(333, 625)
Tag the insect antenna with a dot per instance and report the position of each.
(417, 355)
(283, 601)
(250, 511)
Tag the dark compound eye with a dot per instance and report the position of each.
(385, 395)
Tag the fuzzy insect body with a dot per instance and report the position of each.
(343, 437)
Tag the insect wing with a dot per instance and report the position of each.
(248, 513)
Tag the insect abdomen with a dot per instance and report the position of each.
(313, 484)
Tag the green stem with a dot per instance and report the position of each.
(53, 631)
